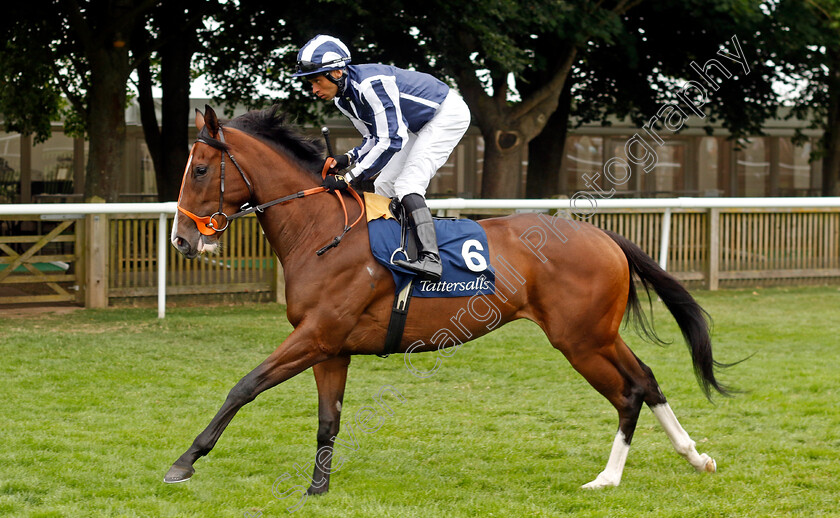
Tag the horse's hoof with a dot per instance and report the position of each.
(178, 474)
(706, 464)
(317, 490)
(600, 483)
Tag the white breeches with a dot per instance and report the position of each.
(411, 170)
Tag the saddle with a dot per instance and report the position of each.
(464, 253)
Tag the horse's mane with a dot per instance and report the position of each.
(270, 127)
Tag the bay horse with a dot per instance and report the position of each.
(571, 278)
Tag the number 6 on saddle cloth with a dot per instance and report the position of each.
(464, 254)
(463, 250)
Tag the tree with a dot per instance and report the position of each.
(249, 57)
(85, 45)
(806, 46)
(102, 31)
(30, 98)
(165, 43)
(477, 45)
(657, 51)
(492, 48)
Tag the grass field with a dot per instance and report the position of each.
(97, 405)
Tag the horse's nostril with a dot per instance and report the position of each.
(179, 241)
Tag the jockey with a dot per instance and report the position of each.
(410, 122)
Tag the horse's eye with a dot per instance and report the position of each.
(200, 170)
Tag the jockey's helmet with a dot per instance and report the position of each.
(320, 55)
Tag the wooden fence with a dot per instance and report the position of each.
(39, 260)
(737, 247)
(246, 263)
(97, 259)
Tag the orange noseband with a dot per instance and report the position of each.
(207, 225)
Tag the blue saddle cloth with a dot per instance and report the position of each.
(463, 252)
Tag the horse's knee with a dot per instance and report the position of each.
(243, 392)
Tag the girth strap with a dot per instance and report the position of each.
(396, 325)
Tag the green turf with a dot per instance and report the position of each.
(97, 405)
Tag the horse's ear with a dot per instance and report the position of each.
(211, 120)
(199, 120)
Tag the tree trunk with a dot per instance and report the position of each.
(176, 55)
(545, 152)
(106, 124)
(148, 116)
(508, 127)
(831, 161)
(831, 137)
(502, 172)
(103, 32)
(168, 142)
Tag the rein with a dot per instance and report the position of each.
(208, 225)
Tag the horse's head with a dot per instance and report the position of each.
(208, 192)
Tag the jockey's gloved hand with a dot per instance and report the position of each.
(342, 162)
(334, 182)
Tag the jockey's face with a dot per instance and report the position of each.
(323, 87)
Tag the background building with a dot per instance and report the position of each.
(690, 163)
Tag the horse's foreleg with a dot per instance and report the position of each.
(330, 377)
(295, 355)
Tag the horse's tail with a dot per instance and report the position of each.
(693, 320)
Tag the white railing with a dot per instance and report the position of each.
(578, 205)
(590, 204)
(69, 210)
(583, 204)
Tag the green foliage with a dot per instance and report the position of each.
(30, 97)
(252, 48)
(254, 44)
(507, 37)
(98, 404)
(649, 61)
(807, 39)
(630, 55)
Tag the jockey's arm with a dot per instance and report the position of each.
(389, 130)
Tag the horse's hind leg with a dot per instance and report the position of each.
(614, 371)
(331, 378)
(680, 439)
(627, 383)
(682, 443)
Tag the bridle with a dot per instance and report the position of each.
(207, 225)
(210, 225)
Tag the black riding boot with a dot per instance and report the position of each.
(428, 264)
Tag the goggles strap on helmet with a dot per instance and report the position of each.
(340, 82)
